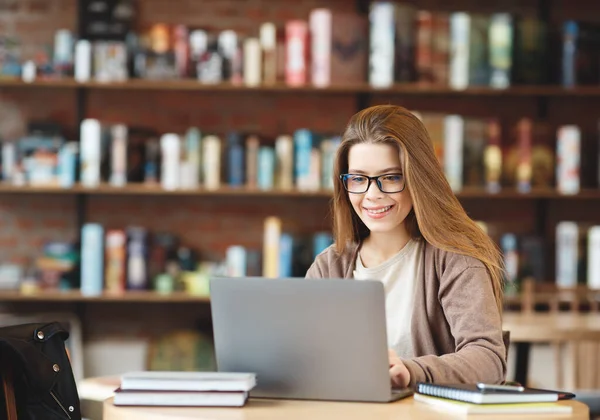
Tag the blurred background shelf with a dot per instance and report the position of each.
(157, 190)
(525, 91)
(75, 296)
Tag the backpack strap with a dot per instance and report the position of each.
(8, 390)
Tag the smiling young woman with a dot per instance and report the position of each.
(397, 220)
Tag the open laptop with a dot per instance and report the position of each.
(305, 339)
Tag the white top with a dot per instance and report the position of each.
(399, 275)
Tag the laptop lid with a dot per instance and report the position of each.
(309, 339)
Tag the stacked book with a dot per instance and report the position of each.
(190, 389)
(491, 399)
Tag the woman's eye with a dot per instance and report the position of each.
(392, 178)
(358, 179)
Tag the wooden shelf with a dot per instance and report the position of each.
(156, 190)
(142, 189)
(398, 89)
(75, 296)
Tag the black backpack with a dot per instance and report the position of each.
(37, 379)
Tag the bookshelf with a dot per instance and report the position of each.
(535, 212)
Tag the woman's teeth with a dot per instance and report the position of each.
(381, 210)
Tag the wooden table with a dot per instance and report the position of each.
(264, 409)
(527, 328)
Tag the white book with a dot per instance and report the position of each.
(188, 381)
(83, 61)
(235, 260)
(568, 155)
(252, 62)
(453, 150)
(567, 237)
(211, 154)
(90, 152)
(593, 258)
(382, 53)
(118, 167)
(180, 398)
(460, 26)
(170, 146)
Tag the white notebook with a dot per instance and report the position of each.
(188, 381)
(180, 398)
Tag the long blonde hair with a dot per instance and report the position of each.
(437, 215)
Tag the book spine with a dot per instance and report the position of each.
(272, 234)
(302, 158)
(320, 22)
(453, 150)
(493, 158)
(137, 259)
(567, 237)
(424, 47)
(67, 158)
(118, 175)
(170, 146)
(212, 162)
(460, 24)
(286, 253)
(524, 167)
(511, 263)
(593, 250)
(252, 146)
(296, 52)
(252, 62)
(92, 259)
(193, 149)
(116, 257)
(382, 40)
(268, 44)
(284, 149)
(83, 61)
(236, 261)
(569, 53)
(235, 160)
(90, 152)
(500, 39)
(568, 159)
(266, 168)
(441, 48)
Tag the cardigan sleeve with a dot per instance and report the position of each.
(468, 302)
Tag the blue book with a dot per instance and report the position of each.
(286, 255)
(303, 142)
(92, 259)
(570, 32)
(266, 168)
(235, 160)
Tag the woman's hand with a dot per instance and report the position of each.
(399, 374)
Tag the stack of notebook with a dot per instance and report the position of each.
(491, 399)
(194, 389)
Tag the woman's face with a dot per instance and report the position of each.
(381, 212)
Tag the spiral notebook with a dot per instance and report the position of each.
(472, 394)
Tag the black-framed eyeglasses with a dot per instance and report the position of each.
(387, 183)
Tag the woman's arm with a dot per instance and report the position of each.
(475, 322)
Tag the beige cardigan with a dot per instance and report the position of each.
(456, 326)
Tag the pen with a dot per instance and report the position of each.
(492, 387)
